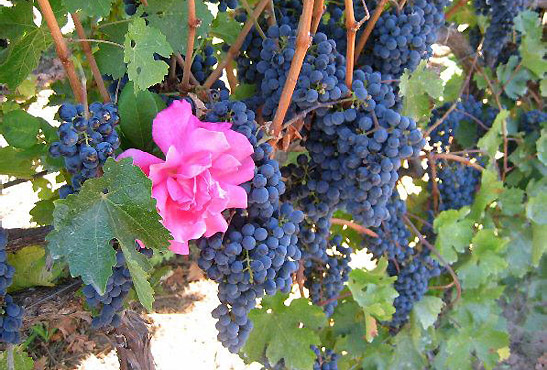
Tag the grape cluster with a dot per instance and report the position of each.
(468, 111)
(532, 121)
(327, 359)
(412, 283)
(457, 184)
(403, 37)
(321, 78)
(130, 6)
(117, 288)
(115, 86)
(85, 143)
(11, 318)
(500, 31)
(203, 63)
(223, 5)
(326, 274)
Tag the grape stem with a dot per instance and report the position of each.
(305, 112)
(10, 360)
(271, 19)
(300, 278)
(435, 188)
(98, 41)
(249, 12)
(352, 26)
(341, 296)
(20, 181)
(318, 9)
(236, 46)
(354, 226)
(441, 259)
(455, 8)
(181, 62)
(230, 75)
(303, 41)
(62, 50)
(90, 59)
(193, 24)
(457, 158)
(368, 29)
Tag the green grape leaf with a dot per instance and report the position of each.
(16, 20)
(166, 16)
(532, 49)
(349, 328)
(541, 146)
(17, 162)
(42, 212)
(21, 360)
(416, 88)
(141, 42)
(539, 246)
(536, 209)
(226, 28)
(407, 355)
(118, 206)
(491, 189)
(137, 111)
(23, 56)
(454, 233)
(110, 58)
(428, 309)
(492, 140)
(486, 259)
(95, 8)
(285, 332)
(30, 264)
(453, 86)
(519, 248)
(20, 128)
(378, 356)
(515, 81)
(373, 290)
(244, 91)
(511, 201)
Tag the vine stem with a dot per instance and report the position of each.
(435, 188)
(10, 359)
(354, 226)
(318, 9)
(90, 58)
(98, 41)
(457, 158)
(454, 9)
(341, 296)
(234, 49)
(303, 41)
(351, 33)
(436, 252)
(62, 50)
(249, 12)
(368, 29)
(230, 75)
(181, 62)
(193, 24)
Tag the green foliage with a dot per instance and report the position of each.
(21, 360)
(427, 310)
(417, 88)
(284, 332)
(20, 129)
(141, 42)
(96, 8)
(532, 49)
(110, 58)
(226, 28)
(30, 264)
(118, 206)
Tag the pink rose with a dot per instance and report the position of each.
(205, 162)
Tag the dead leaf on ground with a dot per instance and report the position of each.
(195, 273)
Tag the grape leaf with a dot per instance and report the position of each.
(42, 212)
(416, 88)
(244, 91)
(427, 310)
(20, 128)
(17, 162)
(511, 201)
(16, 20)
(454, 233)
(23, 56)
(141, 43)
(519, 248)
(226, 28)
(539, 246)
(541, 146)
(486, 260)
(118, 206)
(137, 111)
(349, 328)
(377, 356)
(492, 140)
(532, 49)
(515, 81)
(536, 209)
(94, 8)
(373, 290)
(285, 332)
(491, 189)
(407, 355)
(110, 58)
(166, 15)
(30, 264)
(21, 359)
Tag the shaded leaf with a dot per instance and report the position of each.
(417, 88)
(532, 49)
(454, 233)
(94, 8)
(20, 128)
(428, 309)
(30, 264)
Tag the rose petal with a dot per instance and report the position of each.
(237, 196)
(173, 124)
(215, 223)
(179, 247)
(142, 159)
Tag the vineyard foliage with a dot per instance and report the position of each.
(413, 131)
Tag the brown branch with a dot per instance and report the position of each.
(132, 342)
(436, 252)
(458, 44)
(20, 181)
(193, 24)
(443, 287)
(62, 50)
(230, 75)
(341, 296)
(457, 158)
(351, 33)
(234, 49)
(354, 226)
(181, 62)
(303, 41)
(434, 187)
(20, 238)
(249, 12)
(300, 278)
(368, 29)
(455, 8)
(172, 70)
(90, 59)
(318, 9)
(271, 19)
